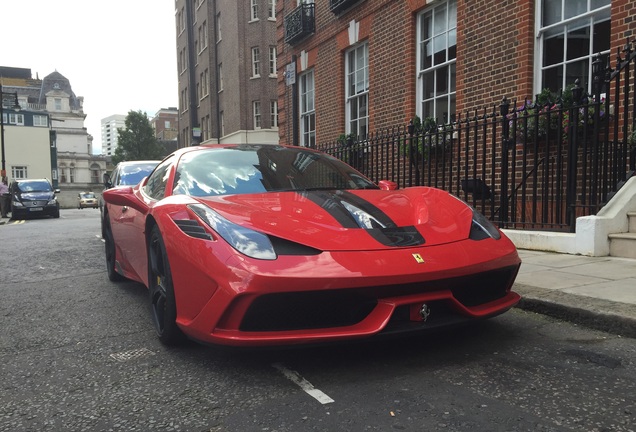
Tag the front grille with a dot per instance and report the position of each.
(346, 307)
(307, 310)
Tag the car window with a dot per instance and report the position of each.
(87, 195)
(130, 175)
(34, 186)
(156, 185)
(256, 169)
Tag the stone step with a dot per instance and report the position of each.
(623, 245)
(632, 221)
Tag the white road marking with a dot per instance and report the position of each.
(305, 385)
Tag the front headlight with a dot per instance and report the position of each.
(481, 228)
(247, 241)
(17, 203)
(52, 202)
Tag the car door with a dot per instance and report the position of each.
(130, 231)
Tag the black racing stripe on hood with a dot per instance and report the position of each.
(389, 235)
(333, 206)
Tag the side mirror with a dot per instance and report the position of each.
(56, 191)
(123, 196)
(387, 185)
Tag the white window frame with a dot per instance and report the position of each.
(253, 10)
(40, 120)
(271, 9)
(19, 172)
(432, 75)
(13, 118)
(256, 111)
(220, 77)
(565, 26)
(256, 62)
(272, 61)
(307, 108)
(357, 90)
(219, 35)
(273, 114)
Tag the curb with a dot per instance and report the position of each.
(598, 314)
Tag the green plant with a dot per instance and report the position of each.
(425, 136)
(550, 113)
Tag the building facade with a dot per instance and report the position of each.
(73, 167)
(227, 64)
(359, 66)
(110, 136)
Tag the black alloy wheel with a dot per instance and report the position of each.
(109, 249)
(162, 300)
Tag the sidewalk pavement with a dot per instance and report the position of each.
(596, 292)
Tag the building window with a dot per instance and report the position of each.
(166, 124)
(256, 62)
(95, 173)
(254, 10)
(272, 61)
(570, 34)
(273, 113)
(220, 76)
(58, 104)
(222, 115)
(40, 120)
(271, 9)
(256, 108)
(71, 174)
(13, 118)
(436, 54)
(19, 172)
(307, 110)
(218, 26)
(206, 83)
(357, 90)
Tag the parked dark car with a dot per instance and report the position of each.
(33, 197)
(127, 173)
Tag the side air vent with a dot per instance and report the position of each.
(193, 229)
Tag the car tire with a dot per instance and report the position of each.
(56, 215)
(161, 290)
(109, 251)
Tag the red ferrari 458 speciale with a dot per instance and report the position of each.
(252, 245)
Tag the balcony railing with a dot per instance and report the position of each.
(300, 23)
(337, 6)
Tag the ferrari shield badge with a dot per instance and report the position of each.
(418, 258)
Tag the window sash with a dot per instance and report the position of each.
(436, 58)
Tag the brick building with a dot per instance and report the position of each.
(226, 60)
(365, 65)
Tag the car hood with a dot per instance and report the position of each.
(345, 220)
(36, 196)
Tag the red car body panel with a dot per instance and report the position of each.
(221, 293)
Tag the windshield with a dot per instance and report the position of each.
(88, 195)
(34, 186)
(266, 168)
(131, 175)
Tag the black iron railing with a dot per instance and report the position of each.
(299, 23)
(526, 165)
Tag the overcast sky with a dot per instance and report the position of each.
(119, 55)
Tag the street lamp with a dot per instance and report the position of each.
(11, 99)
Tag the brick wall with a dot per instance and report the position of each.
(495, 57)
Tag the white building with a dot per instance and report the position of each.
(74, 167)
(110, 136)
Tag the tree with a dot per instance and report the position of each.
(137, 141)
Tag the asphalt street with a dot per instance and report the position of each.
(78, 353)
